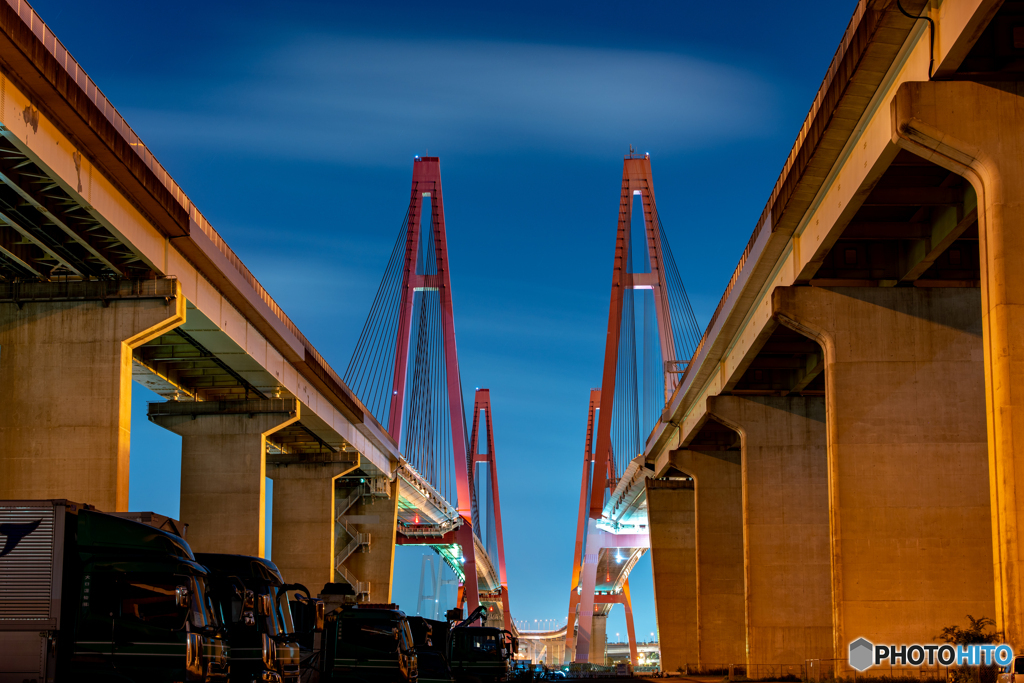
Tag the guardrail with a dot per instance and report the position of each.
(95, 95)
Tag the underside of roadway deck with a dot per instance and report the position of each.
(94, 232)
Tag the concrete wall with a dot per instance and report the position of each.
(65, 394)
(907, 456)
(785, 526)
(670, 511)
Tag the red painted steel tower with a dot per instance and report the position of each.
(482, 413)
(426, 184)
(636, 181)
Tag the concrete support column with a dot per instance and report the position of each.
(908, 471)
(670, 514)
(598, 639)
(303, 519)
(65, 384)
(375, 514)
(977, 131)
(557, 648)
(223, 468)
(721, 638)
(785, 526)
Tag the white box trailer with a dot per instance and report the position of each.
(86, 595)
(31, 559)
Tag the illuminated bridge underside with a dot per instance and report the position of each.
(624, 513)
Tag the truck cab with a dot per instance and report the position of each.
(368, 643)
(481, 654)
(102, 598)
(250, 596)
(429, 637)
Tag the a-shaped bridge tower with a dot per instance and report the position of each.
(640, 373)
(405, 369)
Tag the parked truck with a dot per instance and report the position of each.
(367, 643)
(481, 654)
(429, 637)
(252, 598)
(87, 596)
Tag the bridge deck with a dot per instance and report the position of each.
(83, 197)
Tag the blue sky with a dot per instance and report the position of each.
(293, 126)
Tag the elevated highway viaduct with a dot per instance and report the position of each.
(109, 274)
(843, 446)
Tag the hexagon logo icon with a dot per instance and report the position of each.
(861, 654)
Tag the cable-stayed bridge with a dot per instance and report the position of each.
(859, 376)
(406, 370)
(109, 273)
(652, 333)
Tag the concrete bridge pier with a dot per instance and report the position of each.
(785, 526)
(976, 130)
(66, 383)
(364, 540)
(224, 467)
(718, 519)
(670, 512)
(598, 638)
(304, 520)
(907, 456)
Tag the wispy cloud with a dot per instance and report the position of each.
(366, 100)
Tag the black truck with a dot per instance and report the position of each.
(252, 598)
(87, 596)
(367, 643)
(429, 637)
(482, 654)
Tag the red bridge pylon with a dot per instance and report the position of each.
(482, 414)
(608, 424)
(426, 270)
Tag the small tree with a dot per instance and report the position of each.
(972, 635)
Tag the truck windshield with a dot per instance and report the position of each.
(407, 631)
(282, 610)
(151, 600)
(374, 634)
(480, 643)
